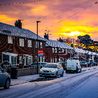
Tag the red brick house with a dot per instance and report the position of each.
(56, 51)
(19, 46)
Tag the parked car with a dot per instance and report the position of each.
(40, 64)
(52, 70)
(84, 63)
(5, 78)
(92, 63)
(73, 65)
(63, 64)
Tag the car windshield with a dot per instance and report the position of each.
(51, 66)
(83, 62)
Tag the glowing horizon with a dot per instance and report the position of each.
(63, 18)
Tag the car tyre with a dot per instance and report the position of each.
(7, 84)
(77, 70)
(62, 74)
(57, 75)
(67, 71)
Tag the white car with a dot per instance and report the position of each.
(52, 70)
(73, 65)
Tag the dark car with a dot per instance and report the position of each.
(84, 63)
(92, 63)
(5, 79)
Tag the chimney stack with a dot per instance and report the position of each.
(18, 23)
(46, 36)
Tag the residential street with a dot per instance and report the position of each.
(48, 48)
(81, 85)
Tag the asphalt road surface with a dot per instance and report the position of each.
(81, 85)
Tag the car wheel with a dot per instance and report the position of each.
(77, 70)
(57, 75)
(67, 71)
(62, 74)
(7, 84)
(80, 70)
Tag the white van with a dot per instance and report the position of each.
(73, 65)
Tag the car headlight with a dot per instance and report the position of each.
(53, 71)
(41, 70)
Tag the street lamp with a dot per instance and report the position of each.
(37, 28)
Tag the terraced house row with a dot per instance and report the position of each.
(20, 47)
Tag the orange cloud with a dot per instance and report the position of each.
(5, 18)
(40, 10)
(62, 18)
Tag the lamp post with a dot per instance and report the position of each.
(37, 28)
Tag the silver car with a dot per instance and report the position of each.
(52, 70)
(5, 79)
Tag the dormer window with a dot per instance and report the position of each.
(10, 40)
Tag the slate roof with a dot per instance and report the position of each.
(85, 51)
(79, 50)
(57, 44)
(15, 31)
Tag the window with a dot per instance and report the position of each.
(41, 45)
(63, 50)
(14, 60)
(29, 60)
(56, 50)
(29, 43)
(55, 59)
(10, 40)
(37, 44)
(59, 50)
(53, 50)
(21, 42)
(10, 57)
(20, 60)
(6, 58)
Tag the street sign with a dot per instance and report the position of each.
(40, 53)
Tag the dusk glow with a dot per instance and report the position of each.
(63, 18)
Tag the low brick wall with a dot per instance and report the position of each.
(27, 71)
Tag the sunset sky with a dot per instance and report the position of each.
(63, 18)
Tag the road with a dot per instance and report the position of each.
(81, 85)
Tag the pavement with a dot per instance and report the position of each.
(24, 79)
(28, 78)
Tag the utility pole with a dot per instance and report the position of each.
(37, 28)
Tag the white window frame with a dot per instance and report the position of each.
(53, 50)
(37, 44)
(63, 50)
(10, 40)
(41, 45)
(27, 58)
(21, 42)
(10, 56)
(29, 43)
(56, 50)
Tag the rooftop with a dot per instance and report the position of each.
(54, 43)
(15, 31)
